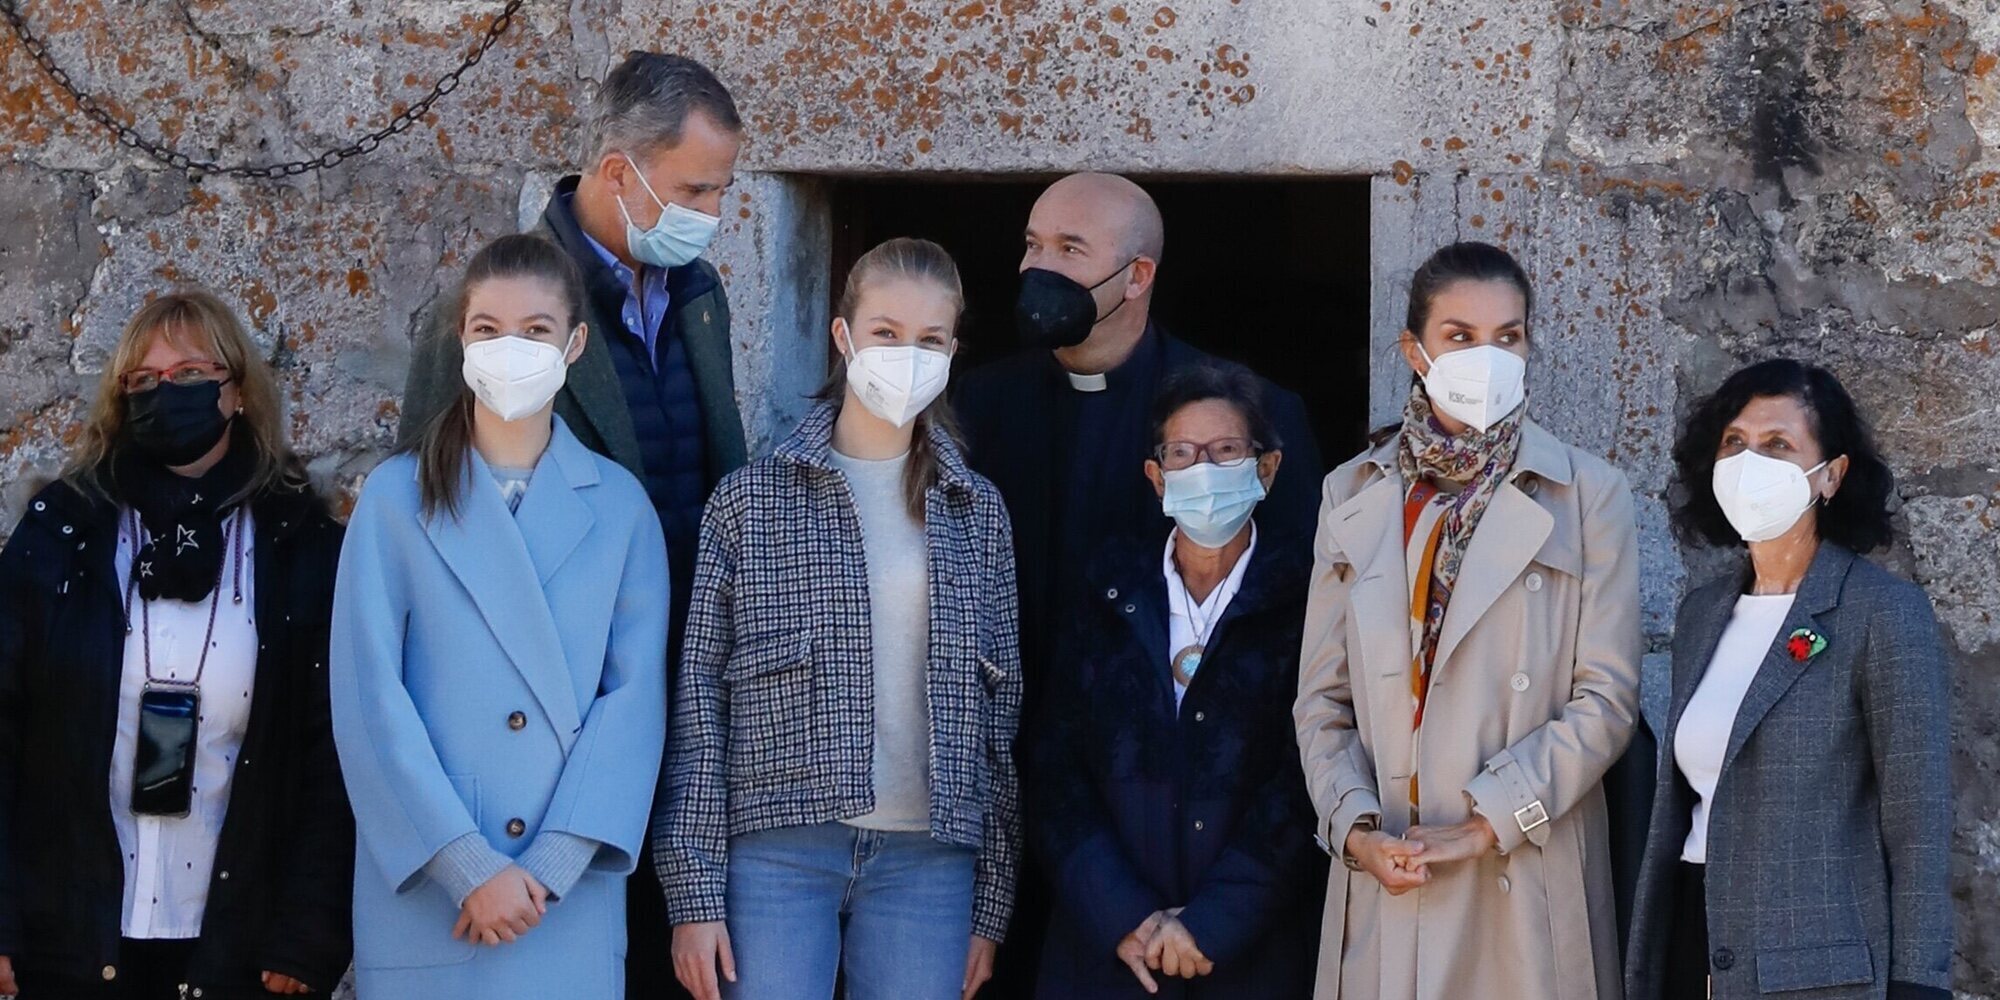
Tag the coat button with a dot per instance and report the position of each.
(1724, 958)
(1533, 582)
(110, 973)
(1201, 716)
(40, 506)
(1529, 483)
(1111, 594)
(517, 721)
(197, 990)
(1518, 682)
(516, 827)
(1506, 886)
(223, 876)
(1130, 608)
(1198, 825)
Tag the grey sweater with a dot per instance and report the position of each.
(899, 618)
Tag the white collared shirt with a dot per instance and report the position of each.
(1187, 620)
(169, 859)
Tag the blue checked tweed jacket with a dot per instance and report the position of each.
(773, 721)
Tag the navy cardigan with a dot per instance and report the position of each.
(1139, 808)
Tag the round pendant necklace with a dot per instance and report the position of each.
(1188, 661)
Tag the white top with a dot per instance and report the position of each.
(1703, 734)
(899, 620)
(1093, 382)
(168, 859)
(1189, 622)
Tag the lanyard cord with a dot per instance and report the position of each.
(231, 542)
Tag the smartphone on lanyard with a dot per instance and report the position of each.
(163, 772)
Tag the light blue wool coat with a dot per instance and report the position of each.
(443, 630)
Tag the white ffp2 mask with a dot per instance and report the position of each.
(895, 382)
(1762, 497)
(1476, 385)
(515, 376)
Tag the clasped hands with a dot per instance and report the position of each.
(1161, 943)
(1403, 863)
(503, 910)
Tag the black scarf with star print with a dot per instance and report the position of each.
(181, 557)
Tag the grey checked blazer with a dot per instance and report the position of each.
(773, 722)
(1828, 845)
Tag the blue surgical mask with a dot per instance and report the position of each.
(679, 237)
(1211, 503)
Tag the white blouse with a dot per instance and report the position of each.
(169, 859)
(1702, 736)
(1189, 620)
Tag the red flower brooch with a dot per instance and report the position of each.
(1805, 644)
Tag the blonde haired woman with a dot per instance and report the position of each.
(840, 786)
(172, 821)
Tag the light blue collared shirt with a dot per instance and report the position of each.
(645, 299)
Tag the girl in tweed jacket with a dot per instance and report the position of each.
(840, 788)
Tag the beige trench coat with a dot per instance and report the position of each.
(1534, 694)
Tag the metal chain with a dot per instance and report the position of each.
(130, 137)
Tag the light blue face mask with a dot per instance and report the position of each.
(1211, 502)
(679, 237)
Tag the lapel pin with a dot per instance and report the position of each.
(1805, 644)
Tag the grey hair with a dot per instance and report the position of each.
(645, 102)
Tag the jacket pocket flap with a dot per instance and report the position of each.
(1783, 969)
(766, 655)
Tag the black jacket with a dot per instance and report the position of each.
(1138, 808)
(280, 899)
(1010, 413)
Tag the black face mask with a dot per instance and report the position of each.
(176, 424)
(1056, 311)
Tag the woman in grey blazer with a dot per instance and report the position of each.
(1802, 806)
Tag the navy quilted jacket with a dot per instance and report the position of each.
(773, 722)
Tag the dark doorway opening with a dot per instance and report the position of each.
(1269, 273)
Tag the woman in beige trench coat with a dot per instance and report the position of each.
(1460, 698)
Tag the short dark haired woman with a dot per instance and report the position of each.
(172, 821)
(1802, 811)
(1171, 811)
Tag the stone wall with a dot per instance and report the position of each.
(1691, 184)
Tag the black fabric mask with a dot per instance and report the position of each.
(176, 424)
(1056, 311)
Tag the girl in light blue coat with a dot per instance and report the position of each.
(499, 671)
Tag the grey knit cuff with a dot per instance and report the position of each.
(557, 860)
(465, 864)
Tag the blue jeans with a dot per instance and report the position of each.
(892, 909)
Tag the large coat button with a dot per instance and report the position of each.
(1518, 682)
(517, 721)
(516, 827)
(110, 973)
(1533, 582)
(1724, 958)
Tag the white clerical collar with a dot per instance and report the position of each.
(1096, 382)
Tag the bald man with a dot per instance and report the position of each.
(1063, 428)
